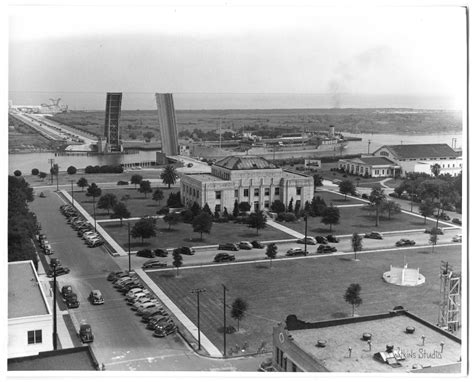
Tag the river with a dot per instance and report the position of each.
(26, 162)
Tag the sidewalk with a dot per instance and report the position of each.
(287, 230)
(205, 343)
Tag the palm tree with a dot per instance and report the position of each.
(169, 175)
(377, 197)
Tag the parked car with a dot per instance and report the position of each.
(257, 244)
(373, 235)
(245, 245)
(324, 248)
(112, 276)
(308, 240)
(145, 253)
(443, 216)
(142, 300)
(155, 322)
(332, 239)
(160, 252)
(457, 238)
(223, 257)
(296, 252)
(157, 311)
(147, 306)
(321, 240)
(187, 251)
(163, 331)
(47, 249)
(85, 333)
(96, 242)
(405, 242)
(456, 221)
(131, 299)
(228, 247)
(96, 298)
(54, 262)
(72, 301)
(153, 264)
(66, 290)
(59, 271)
(433, 230)
(130, 285)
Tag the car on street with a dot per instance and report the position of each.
(457, 238)
(245, 245)
(163, 331)
(72, 301)
(321, 240)
(147, 306)
(223, 257)
(130, 285)
(153, 264)
(433, 230)
(373, 235)
(96, 297)
(155, 322)
(59, 272)
(85, 333)
(187, 251)
(54, 262)
(332, 239)
(131, 299)
(296, 252)
(159, 252)
(324, 248)
(228, 247)
(456, 221)
(95, 242)
(308, 240)
(66, 290)
(443, 216)
(112, 276)
(132, 293)
(258, 244)
(157, 311)
(405, 243)
(145, 253)
(142, 300)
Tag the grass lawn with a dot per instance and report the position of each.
(355, 219)
(312, 288)
(183, 235)
(138, 205)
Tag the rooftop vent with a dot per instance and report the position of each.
(410, 330)
(366, 336)
(321, 343)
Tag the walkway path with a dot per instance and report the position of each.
(205, 343)
(287, 230)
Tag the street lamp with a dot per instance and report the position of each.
(225, 325)
(72, 192)
(93, 206)
(197, 292)
(55, 326)
(51, 161)
(129, 258)
(368, 148)
(57, 177)
(305, 231)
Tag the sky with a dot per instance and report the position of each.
(85, 51)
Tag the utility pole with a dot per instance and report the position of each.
(51, 161)
(368, 148)
(225, 325)
(129, 257)
(93, 206)
(197, 292)
(72, 192)
(57, 176)
(55, 326)
(305, 231)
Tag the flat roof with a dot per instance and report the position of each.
(206, 178)
(293, 175)
(385, 331)
(24, 291)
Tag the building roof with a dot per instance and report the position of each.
(377, 161)
(25, 297)
(206, 178)
(387, 329)
(432, 150)
(244, 163)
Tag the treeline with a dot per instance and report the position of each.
(106, 169)
(22, 224)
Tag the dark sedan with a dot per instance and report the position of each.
(223, 257)
(405, 243)
(323, 248)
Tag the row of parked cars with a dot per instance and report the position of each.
(54, 263)
(144, 303)
(82, 226)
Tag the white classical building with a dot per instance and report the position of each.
(398, 160)
(245, 179)
(30, 321)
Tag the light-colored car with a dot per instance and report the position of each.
(309, 240)
(146, 304)
(245, 245)
(96, 297)
(132, 292)
(458, 238)
(142, 300)
(132, 299)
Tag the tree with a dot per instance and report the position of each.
(377, 197)
(271, 251)
(318, 181)
(169, 175)
(94, 191)
(35, 172)
(177, 260)
(172, 219)
(426, 208)
(346, 187)
(206, 209)
(235, 211)
(244, 206)
(17, 173)
(82, 182)
(174, 200)
(290, 205)
(352, 296)
(297, 208)
(144, 228)
(277, 206)
(225, 213)
(435, 169)
(54, 170)
(257, 220)
(317, 206)
(71, 170)
(158, 196)
(43, 175)
(391, 208)
(125, 198)
(239, 307)
(136, 179)
(148, 135)
(202, 223)
(433, 238)
(356, 242)
(120, 212)
(196, 209)
(145, 187)
(107, 201)
(307, 208)
(330, 216)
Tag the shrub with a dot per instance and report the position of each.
(122, 183)
(71, 170)
(17, 173)
(163, 211)
(144, 253)
(365, 196)
(35, 171)
(286, 217)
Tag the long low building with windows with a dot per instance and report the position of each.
(245, 179)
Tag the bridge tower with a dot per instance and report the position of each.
(449, 315)
(112, 132)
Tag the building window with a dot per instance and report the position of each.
(194, 192)
(256, 192)
(383, 172)
(298, 190)
(218, 194)
(376, 172)
(293, 367)
(267, 192)
(266, 204)
(285, 363)
(384, 153)
(35, 337)
(236, 193)
(277, 191)
(197, 194)
(246, 192)
(218, 208)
